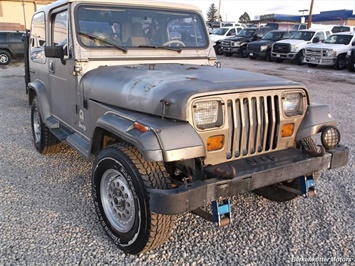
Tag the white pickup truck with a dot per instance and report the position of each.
(332, 52)
(292, 48)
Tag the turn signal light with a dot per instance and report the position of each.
(215, 143)
(140, 127)
(287, 130)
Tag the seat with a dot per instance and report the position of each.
(133, 35)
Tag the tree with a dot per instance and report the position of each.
(244, 18)
(212, 13)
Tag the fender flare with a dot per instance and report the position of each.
(40, 91)
(317, 117)
(157, 143)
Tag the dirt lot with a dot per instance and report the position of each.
(48, 218)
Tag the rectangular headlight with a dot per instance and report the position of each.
(208, 114)
(292, 104)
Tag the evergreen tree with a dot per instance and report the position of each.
(212, 13)
(244, 18)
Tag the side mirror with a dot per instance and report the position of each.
(55, 52)
(315, 40)
(353, 43)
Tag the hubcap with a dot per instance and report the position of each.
(117, 200)
(3, 59)
(36, 125)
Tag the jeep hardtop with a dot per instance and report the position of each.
(171, 130)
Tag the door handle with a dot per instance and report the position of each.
(51, 66)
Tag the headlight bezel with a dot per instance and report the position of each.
(208, 114)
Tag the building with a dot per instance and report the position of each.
(16, 15)
(334, 17)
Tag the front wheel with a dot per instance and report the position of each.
(218, 49)
(275, 192)
(44, 141)
(243, 52)
(340, 63)
(121, 180)
(299, 58)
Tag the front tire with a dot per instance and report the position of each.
(121, 181)
(44, 141)
(340, 62)
(274, 192)
(243, 52)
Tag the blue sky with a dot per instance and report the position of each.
(233, 9)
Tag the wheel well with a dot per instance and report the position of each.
(6, 50)
(31, 95)
(103, 138)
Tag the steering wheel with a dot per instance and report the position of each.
(177, 42)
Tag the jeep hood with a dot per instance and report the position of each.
(144, 88)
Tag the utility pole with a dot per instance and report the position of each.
(219, 11)
(310, 16)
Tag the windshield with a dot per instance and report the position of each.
(100, 26)
(339, 39)
(220, 31)
(303, 35)
(246, 33)
(277, 35)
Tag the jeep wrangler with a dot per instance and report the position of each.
(137, 85)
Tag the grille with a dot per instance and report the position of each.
(227, 43)
(254, 125)
(281, 48)
(315, 52)
(253, 47)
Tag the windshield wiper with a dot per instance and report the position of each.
(108, 43)
(160, 47)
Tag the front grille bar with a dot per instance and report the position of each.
(254, 125)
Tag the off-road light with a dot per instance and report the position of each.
(330, 137)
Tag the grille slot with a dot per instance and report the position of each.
(254, 125)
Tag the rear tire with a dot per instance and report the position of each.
(44, 141)
(5, 57)
(121, 180)
(273, 192)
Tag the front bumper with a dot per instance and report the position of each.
(249, 174)
(289, 56)
(231, 49)
(330, 61)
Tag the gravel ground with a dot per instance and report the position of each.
(47, 215)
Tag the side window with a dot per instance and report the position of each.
(231, 32)
(37, 38)
(60, 31)
(320, 35)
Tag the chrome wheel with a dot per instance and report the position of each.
(117, 200)
(36, 123)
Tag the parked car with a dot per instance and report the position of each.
(220, 34)
(238, 43)
(350, 60)
(262, 48)
(292, 48)
(11, 46)
(342, 28)
(332, 52)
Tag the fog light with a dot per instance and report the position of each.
(215, 143)
(330, 137)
